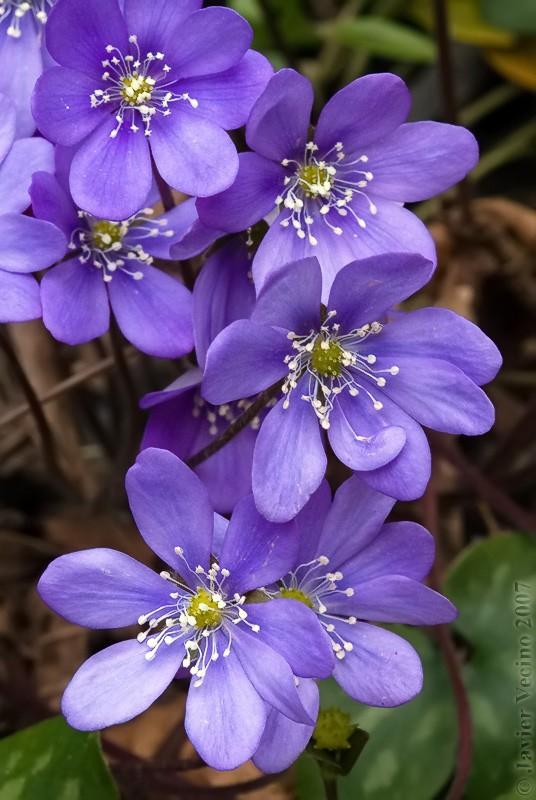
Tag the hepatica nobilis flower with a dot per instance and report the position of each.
(179, 419)
(163, 79)
(353, 569)
(26, 244)
(338, 193)
(111, 264)
(21, 54)
(195, 615)
(364, 375)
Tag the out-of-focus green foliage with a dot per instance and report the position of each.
(516, 15)
(493, 584)
(410, 753)
(378, 36)
(465, 22)
(51, 761)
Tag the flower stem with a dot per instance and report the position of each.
(330, 787)
(235, 427)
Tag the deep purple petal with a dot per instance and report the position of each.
(111, 177)
(228, 97)
(211, 40)
(225, 716)
(407, 475)
(172, 426)
(8, 120)
(227, 474)
(21, 63)
(78, 32)
(244, 359)
(395, 598)
(440, 396)
(193, 154)
(279, 121)
(27, 244)
(421, 159)
(188, 380)
(158, 25)
(353, 522)
(363, 291)
(400, 548)
(292, 629)
(291, 298)
(256, 552)
(270, 674)
(361, 438)
(52, 203)
(289, 460)
(101, 588)
(440, 333)
(154, 313)
(117, 684)
(197, 239)
(223, 293)
(173, 226)
(19, 297)
(171, 508)
(367, 109)
(75, 303)
(283, 741)
(26, 157)
(310, 522)
(61, 106)
(249, 199)
(382, 669)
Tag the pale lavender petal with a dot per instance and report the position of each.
(168, 503)
(283, 740)
(249, 199)
(21, 63)
(244, 359)
(8, 121)
(279, 121)
(366, 110)
(225, 716)
(61, 106)
(421, 159)
(19, 297)
(192, 153)
(27, 244)
(382, 669)
(289, 460)
(117, 684)
(111, 177)
(75, 303)
(255, 551)
(291, 298)
(101, 588)
(26, 157)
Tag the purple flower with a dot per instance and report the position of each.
(353, 569)
(338, 194)
(197, 615)
(21, 54)
(160, 80)
(180, 420)
(26, 244)
(367, 376)
(112, 265)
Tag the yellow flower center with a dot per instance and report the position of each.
(136, 89)
(326, 358)
(105, 234)
(333, 730)
(204, 610)
(296, 594)
(314, 180)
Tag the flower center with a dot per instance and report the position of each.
(106, 234)
(16, 10)
(327, 357)
(136, 88)
(296, 594)
(333, 730)
(204, 610)
(327, 189)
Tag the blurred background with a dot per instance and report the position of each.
(70, 427)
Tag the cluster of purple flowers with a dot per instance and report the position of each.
(298, 301)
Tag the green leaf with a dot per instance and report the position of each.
(383, 37)
(516, 15)
(51, 761)
(411, 750)
(465, 23)
(494, 586)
